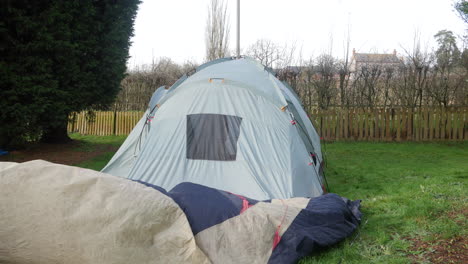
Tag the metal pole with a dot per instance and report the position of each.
(238, 29)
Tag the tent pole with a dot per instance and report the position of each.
(238, 29)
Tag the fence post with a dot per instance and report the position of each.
(114, 128)
(373, 124)
(397, 122)
(73, 122)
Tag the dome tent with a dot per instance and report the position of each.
(232, 126)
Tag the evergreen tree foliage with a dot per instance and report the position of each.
(462, 9)
(447, 53)
(56, 57)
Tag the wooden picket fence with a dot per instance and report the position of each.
(370, 124)
(392, 124)
(104, 123)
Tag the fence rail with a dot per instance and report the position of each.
(104, 123)
(377, 124)
(392, 124)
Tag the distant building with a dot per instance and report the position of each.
(370, 60)
(288, 73)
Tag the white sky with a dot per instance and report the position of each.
(176, 28)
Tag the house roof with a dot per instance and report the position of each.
(290, 69)
(376, 58)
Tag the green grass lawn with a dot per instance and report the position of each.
(414, 199)
(89, 143)
(411, 193)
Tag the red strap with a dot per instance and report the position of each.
(277, 237)
(245, 205)
(245, 202)
(324, 189)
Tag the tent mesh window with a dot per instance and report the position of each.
(212, 136)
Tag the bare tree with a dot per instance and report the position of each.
(288, 66)
(287, 56)
(344, 73)
(323, 80)
(389, 75)
(367, 84)
(414, 75)
(140, 82)
(304, 86)
(217, 31)
(266, 51)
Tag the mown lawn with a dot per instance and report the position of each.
(414, 200)
(90, 142)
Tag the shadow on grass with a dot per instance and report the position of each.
(80, 149)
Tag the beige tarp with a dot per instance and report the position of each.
(53, 213)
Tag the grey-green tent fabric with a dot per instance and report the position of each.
(232, 125)
(123, 160)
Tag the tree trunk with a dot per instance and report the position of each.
(56, 134)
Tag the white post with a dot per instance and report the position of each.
(238, 29)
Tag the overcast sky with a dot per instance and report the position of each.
(176, 28)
